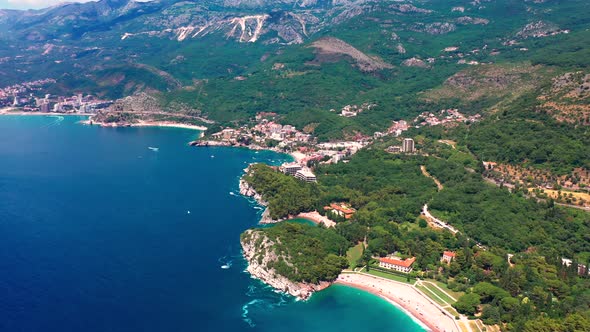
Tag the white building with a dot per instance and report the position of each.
(290, 168)
(448, 257)
(305, 175)
(408, 145)
(397, 264)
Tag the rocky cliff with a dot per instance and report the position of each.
(247, 190)
(258, 251)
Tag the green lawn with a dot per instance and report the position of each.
(390, 276)
(452, 311)
(439, 293)
(354, 254)
(427, 292)
(444, 286)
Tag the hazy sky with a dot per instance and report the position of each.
(26, 4)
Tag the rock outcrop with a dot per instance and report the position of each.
(415, 62)
(258, 251)
(539, 29)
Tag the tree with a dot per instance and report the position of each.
(543, 324)
(468, 303)
(513, 280)
(576, 323)
(422, 223)
(490, 315)
(489, 292)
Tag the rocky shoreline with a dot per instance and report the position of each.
(258, 252)
(208, 143)
(247, 190)
(199, 143)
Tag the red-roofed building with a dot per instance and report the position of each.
(341, 209)
(448, 257)
(397, 264)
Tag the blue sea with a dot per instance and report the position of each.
(98, 232)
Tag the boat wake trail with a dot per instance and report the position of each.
(57, 122)
(227, 260)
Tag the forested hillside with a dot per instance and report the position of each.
(522, 293)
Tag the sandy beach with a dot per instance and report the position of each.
(148, 124)
(297, 156)
(404, 296)
(316, 218)
(168, 124)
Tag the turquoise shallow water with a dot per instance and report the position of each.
(100, 233)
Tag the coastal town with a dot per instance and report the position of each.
(31, 98)
(267, 133)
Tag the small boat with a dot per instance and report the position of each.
(153, 149)
(225, 267)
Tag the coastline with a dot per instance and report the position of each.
(303, 291)
(21, 113)
(405, 297)
(248, 191)
(316, 218)
(90, 122)
(260, 266)
(169, 124)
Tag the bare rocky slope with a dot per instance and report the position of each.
(335, 46)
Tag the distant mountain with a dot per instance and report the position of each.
(79, 42)
(232, 58)
(282, 21)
